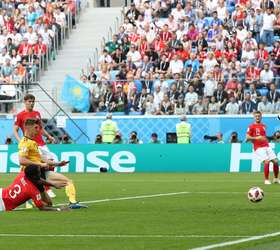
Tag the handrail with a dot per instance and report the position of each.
(61, 109)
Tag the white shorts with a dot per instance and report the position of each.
(265, 154)
(2, 205)
(45, 152)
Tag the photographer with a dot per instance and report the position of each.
(118, 139)
(133, 138)
(98, 139)
(275, 137)
(66, 139)
(234, 138)
(8, 140)
(216, 138)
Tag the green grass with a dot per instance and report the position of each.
(223, 213)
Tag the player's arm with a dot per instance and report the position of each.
(52, 163)
(24, 161)
(48, 136)
(56, 185)
(254, 138)
(15, 129)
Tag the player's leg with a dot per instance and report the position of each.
(275, 171)
(47, 154)
(70, 189)
(262, 155)
(272, 157)
(266, 172)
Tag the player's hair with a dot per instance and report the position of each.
(32, 173)
(257, 112)
(29, 97)
(30, 122)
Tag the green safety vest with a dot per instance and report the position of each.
(183, 131)
(108, 131)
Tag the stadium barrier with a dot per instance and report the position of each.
(146, 158)
(146, 125)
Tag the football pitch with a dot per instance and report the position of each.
(151, 211)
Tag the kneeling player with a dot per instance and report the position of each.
(28, 185)
(256, 133)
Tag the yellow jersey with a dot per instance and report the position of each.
(28, 149)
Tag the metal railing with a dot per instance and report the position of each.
(50, 96)
(112, 30)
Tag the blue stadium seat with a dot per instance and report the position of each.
(169, 81)
(97, 74)
(101, 113)
(263, 91)
(269, 49)
(138, 85)
(135, 113)
(276, 38)
(208, 20)
(113, 74)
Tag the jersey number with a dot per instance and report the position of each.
(258, 132)
(13, 193)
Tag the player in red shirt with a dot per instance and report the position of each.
(27, 185)
(256, 133)
(29, 112)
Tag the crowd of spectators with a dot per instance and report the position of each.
(191, 57)
(28, 30)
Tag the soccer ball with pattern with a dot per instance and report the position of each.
(255, 194)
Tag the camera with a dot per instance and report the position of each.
(210, 138)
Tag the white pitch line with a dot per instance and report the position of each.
(131, 198)
(121, 236)
(235, 242)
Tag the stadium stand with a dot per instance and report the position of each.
(189, 57)
(31, 32)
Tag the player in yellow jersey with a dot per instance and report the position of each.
(29, 155)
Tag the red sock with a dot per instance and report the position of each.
(47, 188)
(276, 169)
(266, 171)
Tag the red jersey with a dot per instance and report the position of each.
(258, 129)
(23, 116)
(20, 191)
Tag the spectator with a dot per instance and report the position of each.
(166, 107)
(213, 107)
(191, 98)
(149, 105)
(232, 108)
(268, 23)
(221, 97)
(265, 106)
(154, 139)
(248, 107)
(273, 95)
(199, 108)
(180, 107)
(266, 76)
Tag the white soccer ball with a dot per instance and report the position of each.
(255, 194)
